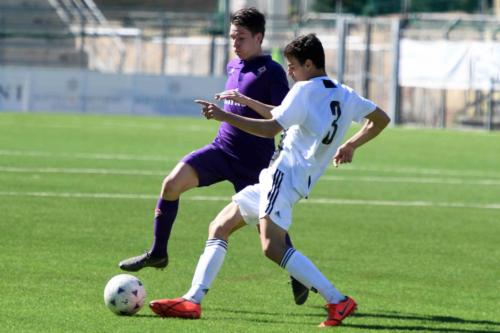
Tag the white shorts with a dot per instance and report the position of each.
(273, 196)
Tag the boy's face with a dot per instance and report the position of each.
(245, 46)
(297, 71)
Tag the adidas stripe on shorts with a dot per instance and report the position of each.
(274, 195)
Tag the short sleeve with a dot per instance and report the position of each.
(291, 111)
(360, 106)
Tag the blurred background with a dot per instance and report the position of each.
(429, 63)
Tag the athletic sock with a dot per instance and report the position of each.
(207, 269)
(165, 214)
(302, 269)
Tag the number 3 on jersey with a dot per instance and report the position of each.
(335, 108)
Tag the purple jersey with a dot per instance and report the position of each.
(261, 79)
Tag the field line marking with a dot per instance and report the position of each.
(369, 179)
(415, 180)
(92, 171)
(115, 125)
(423, 171)
(327, 201)
(346, 168)
(89, 156)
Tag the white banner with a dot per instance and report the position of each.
(448, 64)
(69, 90)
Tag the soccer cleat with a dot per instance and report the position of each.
(300, 292)
(144, 260)
(338, 312)
(176, 308)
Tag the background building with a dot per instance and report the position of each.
(385, 56)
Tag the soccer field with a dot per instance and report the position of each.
(410, 230)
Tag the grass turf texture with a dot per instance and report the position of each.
(411, 230)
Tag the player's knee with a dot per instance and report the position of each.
(270, 251)
(219, 230)
(171, 188)
(266, 251)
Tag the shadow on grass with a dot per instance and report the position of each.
(432, 319)
(439, 319)
(421, 328)
(143, 315)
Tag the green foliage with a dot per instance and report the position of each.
(405, 230)
(381, 7)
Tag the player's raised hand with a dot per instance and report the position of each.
(344, 154)
(210, 110)
(232, 95)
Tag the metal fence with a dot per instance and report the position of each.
(361, 52)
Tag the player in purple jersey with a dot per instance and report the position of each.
(234, 155)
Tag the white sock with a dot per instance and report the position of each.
(207, 269)
(302, 269)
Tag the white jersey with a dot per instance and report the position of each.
(316, 115)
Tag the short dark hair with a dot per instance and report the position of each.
(306, 47)
(251, 19)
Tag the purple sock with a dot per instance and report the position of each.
(165, 214)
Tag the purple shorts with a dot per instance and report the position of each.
(213, 165)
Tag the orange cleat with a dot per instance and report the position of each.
(338, 312)
(176, 308)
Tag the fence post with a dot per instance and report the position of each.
(164, 44)
(442, 115)
(82, 42)
(227, 39)
(212, 55)
(341, 35)
(491, 107)
(366, 64)
(394, 110)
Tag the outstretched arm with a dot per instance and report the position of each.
(266, 128)
(233, 95)
(375, 123)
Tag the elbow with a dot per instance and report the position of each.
(386, 120)
(272, 129)
(381, 120)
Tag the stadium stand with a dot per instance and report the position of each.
(34, 34)
(207, 6)
(55, 33)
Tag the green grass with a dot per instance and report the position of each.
(411, 230)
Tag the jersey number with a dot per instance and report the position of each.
(335, 108)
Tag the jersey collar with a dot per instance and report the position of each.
(255, 60)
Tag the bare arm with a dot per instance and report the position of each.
(375, 123)
(266, 128)
(263, 109)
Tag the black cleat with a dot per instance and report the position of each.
(144, 260)
(300, 292)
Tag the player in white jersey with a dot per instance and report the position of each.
(316, 114)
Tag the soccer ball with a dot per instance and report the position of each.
(124, 294)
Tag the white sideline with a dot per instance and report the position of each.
(344, 168)
(227, 199)
(92, 171)
(88, 156)
(416, 180)
(113, 125)
(369, 179)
